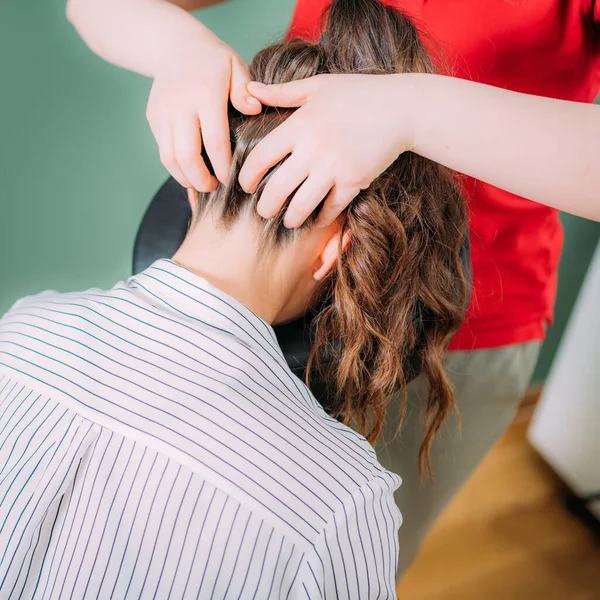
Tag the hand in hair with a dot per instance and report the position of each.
(346, 132)
(466, 126)
(191, 95)
(195, 76)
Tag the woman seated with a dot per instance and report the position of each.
(153, 441)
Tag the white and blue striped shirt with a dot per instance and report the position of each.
(154, 444)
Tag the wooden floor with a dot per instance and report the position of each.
(507, 536)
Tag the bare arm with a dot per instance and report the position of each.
(145, 36)
(350, 128)
(195, 75)
(542, 149)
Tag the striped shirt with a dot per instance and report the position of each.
(154, 444)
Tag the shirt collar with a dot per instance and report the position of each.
(193, 297)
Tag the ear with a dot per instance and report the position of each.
(331, 253)
(192, 195)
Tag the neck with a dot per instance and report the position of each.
(229, 261)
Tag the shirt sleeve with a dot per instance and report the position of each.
(357, 555)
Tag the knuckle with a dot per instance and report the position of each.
(186, 160)
(300, 206)
(300, 216)
(354, 181)
(266, 203)
(153, 120)
(167, 160)
(335, 204)
(237, 62)
(256, 159)
(244, 176)
(186, 150)
(216, 144)
(190, 164)
(307, 158)
(203, 184)
(344, 190)
(336, 209)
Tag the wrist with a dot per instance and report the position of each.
(407, 97)
(185, 42)
(411, 90)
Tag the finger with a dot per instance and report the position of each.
(336, 202)
(267, 153)
(240, 97)
(280, 186)
(164, 139)
(306, 199)
(188, 147)
(291, 94)
(215, 136)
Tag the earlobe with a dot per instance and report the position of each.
(193, 200)
(321, 272)
(346, 240)
(330, 254)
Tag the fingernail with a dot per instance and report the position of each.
(253, 101)
(321, 224)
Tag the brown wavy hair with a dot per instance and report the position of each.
(399, 290)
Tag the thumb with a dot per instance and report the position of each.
(287, 95)
(239, 95)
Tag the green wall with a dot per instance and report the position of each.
(78, 163)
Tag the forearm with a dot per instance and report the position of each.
(144, 36)
(543, 149)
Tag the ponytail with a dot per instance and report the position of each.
(398, 292)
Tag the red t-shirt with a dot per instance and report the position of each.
(542, 47)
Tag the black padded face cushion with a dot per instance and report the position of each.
(160, 234)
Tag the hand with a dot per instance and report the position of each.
(191, 94)
(347, 131)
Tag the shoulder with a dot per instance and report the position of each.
(376, 495)
(361, 485)
(356, 553)
(52, 298)
(53, 336)
(54, 320)
(56, 308)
